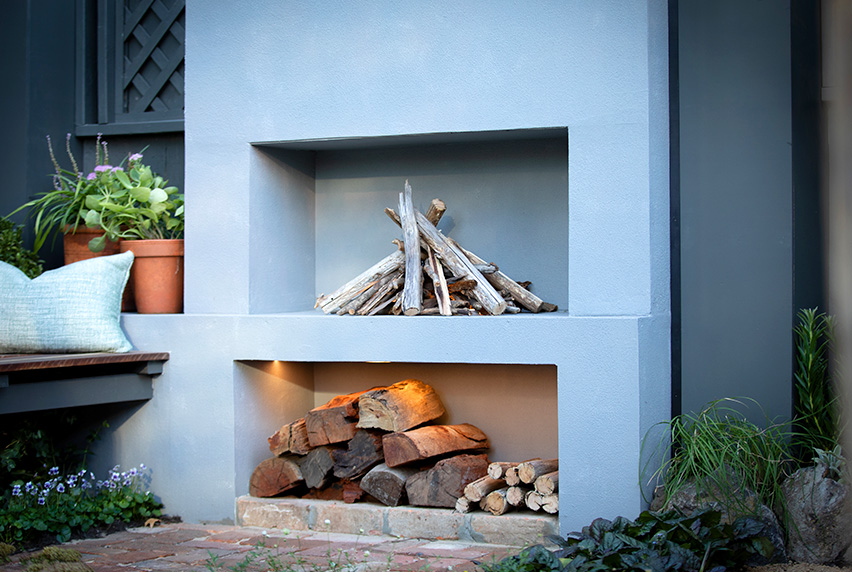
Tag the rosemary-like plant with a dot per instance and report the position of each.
(816, 402)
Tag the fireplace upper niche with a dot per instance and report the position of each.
(322, 202)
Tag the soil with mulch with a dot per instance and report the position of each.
(799, 567)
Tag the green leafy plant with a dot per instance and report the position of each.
(656, 542)
(137, 204)
(13, 252)
(723, 453)
(64, 207)
(832, 464)
(54, 558)
(64, 504)
(816, 415)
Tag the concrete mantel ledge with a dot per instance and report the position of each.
(513, 529)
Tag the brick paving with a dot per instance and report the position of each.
(182, 546)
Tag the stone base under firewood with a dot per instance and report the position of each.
(519, 529)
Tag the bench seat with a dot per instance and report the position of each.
(33, 382)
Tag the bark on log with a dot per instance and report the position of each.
(412, 290)
(515, 495)
(400, 407)
(444, 483)
(387, 484)
(352, 491)
(548, 483)
(431, 441)
(334, 422)
(274, 476)
(436, 211)
(502, 282)
(496, 502)
(479, 489)
(363, 452)
(279, 442)
(331, 491)
(529, 471)
(511, 476)
(340, 297)
(316, 467)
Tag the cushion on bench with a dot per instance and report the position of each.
(75, 308)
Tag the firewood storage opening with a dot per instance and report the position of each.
(318, 208)
(513, 406)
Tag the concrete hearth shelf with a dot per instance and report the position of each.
(513, 529)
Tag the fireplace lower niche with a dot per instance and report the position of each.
(514, 405)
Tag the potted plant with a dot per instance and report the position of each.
(147, 217)
(63, 208)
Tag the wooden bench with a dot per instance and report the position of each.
(33, 382)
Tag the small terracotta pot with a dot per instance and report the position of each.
(156, 274)
(76, 248)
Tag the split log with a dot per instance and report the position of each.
(431, 441)
(387, 484)
(363, 452)
(496, 502)
(479, 489)
(529, 471)
(274, 476)
(435, 271)
(547, 484)
(498, 469)
(515, 496)
(400, 407)
(332, 491)
(444, 483)
(463, 505)
(533, 500)
(352, 491)
(511, 476)
(291, 438)
(334, 422)
(550, 503)
(411, 293)
(343, 295)
(386, 289)
(436, 211)
(316, 466)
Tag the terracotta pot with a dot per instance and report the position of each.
(157, 275)
(76, 247)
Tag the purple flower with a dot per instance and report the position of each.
(91, 176)
(117, 169)
(41, 501)
(53, 471)
(60, 488)
(16, 491)
(29, 487)
(103, 168)
(136, 157)
(72, 480)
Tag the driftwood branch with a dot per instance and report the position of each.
(412, 290)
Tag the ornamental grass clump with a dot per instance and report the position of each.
(62, 505)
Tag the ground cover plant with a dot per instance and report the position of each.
(12, 249)
(654, 542)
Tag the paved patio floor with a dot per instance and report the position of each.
(183, 546)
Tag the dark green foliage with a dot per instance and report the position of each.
(13, 252)
(816, 402)
(654, 542)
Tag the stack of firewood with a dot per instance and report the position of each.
(459, 282)
(531, 484)
(379, 444)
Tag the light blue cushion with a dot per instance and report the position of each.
(73, 309)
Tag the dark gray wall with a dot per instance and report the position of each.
(736, 197)
(37, 60)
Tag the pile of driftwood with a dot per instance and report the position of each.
(378, 445)
(532, 484)
(459, 282)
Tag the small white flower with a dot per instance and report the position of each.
(264, 533)
(361, 531)
(327, 522)
(366, 553)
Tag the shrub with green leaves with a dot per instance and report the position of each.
(12, 249)
(656, 542)
(61, 505)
